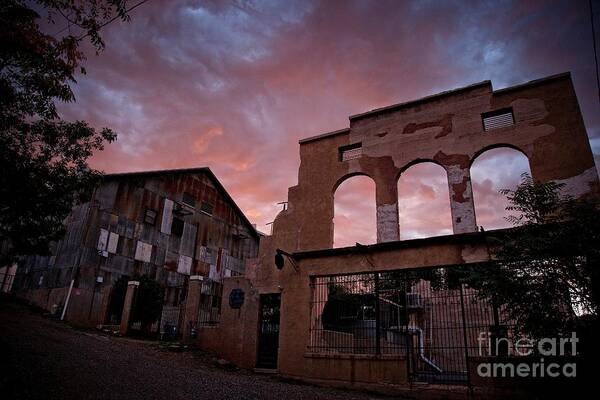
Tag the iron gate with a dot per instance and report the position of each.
(268, 331)
(425, 316)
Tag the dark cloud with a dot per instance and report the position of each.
(234, 85)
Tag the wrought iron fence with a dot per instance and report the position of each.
(211, 295)
(425, 316)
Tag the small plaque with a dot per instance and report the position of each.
(236, 298)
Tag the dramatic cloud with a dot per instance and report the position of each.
(234, 85)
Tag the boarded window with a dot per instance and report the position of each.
(167, 217)
(498, 119)
(184, 266)
(150, 217)
(177, 226)
(206, 208)
(350, 152)
(143, 251)
(113, 241)
(102, 240)
(188, 199)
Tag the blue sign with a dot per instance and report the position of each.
(236, 298)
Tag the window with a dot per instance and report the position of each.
(206, 208)
(211, 296)
(150, 217)
(350, 152)
(355, 212)
(188, 199)
(177, 226)
(498, 119)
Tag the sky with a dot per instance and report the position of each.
(233, 85)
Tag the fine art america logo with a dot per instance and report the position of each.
(530, 367)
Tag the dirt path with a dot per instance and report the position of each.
(45, 359)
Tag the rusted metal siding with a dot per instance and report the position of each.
(110, 236)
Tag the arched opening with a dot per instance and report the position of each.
(424, 202)
(355, 212)
(493, 170)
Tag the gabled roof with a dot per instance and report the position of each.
(195, 170)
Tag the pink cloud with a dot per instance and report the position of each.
(266, 74)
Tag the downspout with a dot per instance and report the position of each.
(419, 332)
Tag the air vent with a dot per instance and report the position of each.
(350, 152)
(206, 208)
(498, 119)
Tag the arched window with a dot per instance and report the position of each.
(355, 212)
(493, 170)
(423, 202)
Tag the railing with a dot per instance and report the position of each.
(209, 311)
(420, 315)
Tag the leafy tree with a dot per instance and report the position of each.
(545, 272)
(43, 159)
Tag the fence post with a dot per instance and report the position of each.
(464, 326)
(407, 337)
(192, 305)
(127, 306)
(377, 317)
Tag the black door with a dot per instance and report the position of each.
(268, 330)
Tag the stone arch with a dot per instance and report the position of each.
(493, 168)
(355, 215)
(416, 162)
(424, 200)
(496, 146)
(346, 177)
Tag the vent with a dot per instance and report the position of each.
(498, 119)
(188, 199)
(206, 208)
(350, 152)
(150, 217)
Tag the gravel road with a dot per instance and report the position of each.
(44, 359)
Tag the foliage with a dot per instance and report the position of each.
(42, 158)
(545, 271)
(345, 305)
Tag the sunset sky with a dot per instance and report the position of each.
(234, 85)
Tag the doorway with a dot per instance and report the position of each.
(268, 330)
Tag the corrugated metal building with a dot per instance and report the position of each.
(166, 224)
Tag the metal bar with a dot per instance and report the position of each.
(464, 326)
(407, 336)
(377, 316)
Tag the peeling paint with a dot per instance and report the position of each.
(460, 160)
(387, 223)
(462, 207)
(445, 123)
(581, 184)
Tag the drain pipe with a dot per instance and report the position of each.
(419, 332)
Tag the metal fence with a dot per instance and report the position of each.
(424, 316)
(211, 295)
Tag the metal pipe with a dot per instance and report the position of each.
(419, 332)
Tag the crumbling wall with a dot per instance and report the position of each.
(446, 129)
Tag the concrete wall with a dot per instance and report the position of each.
(234, 338)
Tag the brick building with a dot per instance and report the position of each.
(166, 224)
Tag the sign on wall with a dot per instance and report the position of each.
(236, 298)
